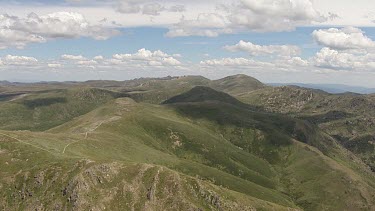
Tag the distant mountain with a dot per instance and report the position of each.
(331, 88)
(237, 84)
(202, 93)
(5, 83)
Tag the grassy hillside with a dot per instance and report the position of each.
(159, 90)
(42, 110)
(94, 149)
(236, 84)
(128, 138)
(350, 118)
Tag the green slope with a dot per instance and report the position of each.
(202, 149)
(42, 110)
(130, 139)
(237, 84)
(350, 118)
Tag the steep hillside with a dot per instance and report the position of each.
(90, 169)
(237, 84)
(202, 93)
(200, 150)
(350, 118)
(192, 153)
(158, 90)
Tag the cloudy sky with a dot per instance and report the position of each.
(308, 41)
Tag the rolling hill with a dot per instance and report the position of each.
(115, 147)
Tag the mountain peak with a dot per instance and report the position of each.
(201, 94)
(237, 84)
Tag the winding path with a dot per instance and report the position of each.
(24, 142)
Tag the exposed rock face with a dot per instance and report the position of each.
(287, 99)
(113, 186)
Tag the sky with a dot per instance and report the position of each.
(276, 41)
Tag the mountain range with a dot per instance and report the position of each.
(185, 143)
(331, 88)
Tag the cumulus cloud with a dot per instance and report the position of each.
(251, 15)
(206, 24)
(12, 37)
(152, 9)
(230, 62)
(18, 60)
(153, 58)
(348, 38)
(257, 50)
(54, 65)
(285, 64)
(325, 59)
(334, 59)
(344, 49)
(296, 61)
(87, 62)
(274, 15)
(130, 6)
(98, 58)
(147, 7)
(285, 59)
(18, 32)
(72, 57)
(142, 59)
(177, 8)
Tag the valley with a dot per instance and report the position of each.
(184, 143)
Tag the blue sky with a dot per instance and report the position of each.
(307, 41)
(193, 48)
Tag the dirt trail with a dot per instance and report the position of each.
(69, 145)
(24, 142)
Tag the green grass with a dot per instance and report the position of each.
(43, 110)
(204, 150)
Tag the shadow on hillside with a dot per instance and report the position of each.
(43, 102)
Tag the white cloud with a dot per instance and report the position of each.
(177, 8)
(87, 63)
(334, 59)
(72, 57)
(282, 64)
(257, 50)
(17, 38)
(274, 15)
(17, 31)
(206, 24)
(233, 62)
(98, 58)
(142, 59)
(250, 15)
(154, 58)
(152, 9)
(18, 60)
(325, 60)
(129, 6)
(296, 61)
(54, 65)
(146, 7)
(348, 38)
(170, 61)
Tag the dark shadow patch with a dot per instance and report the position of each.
(205, 103)
(6, 97)
(327, 117)
(43, 102)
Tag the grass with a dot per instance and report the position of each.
(203, 150)
(42, 111)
